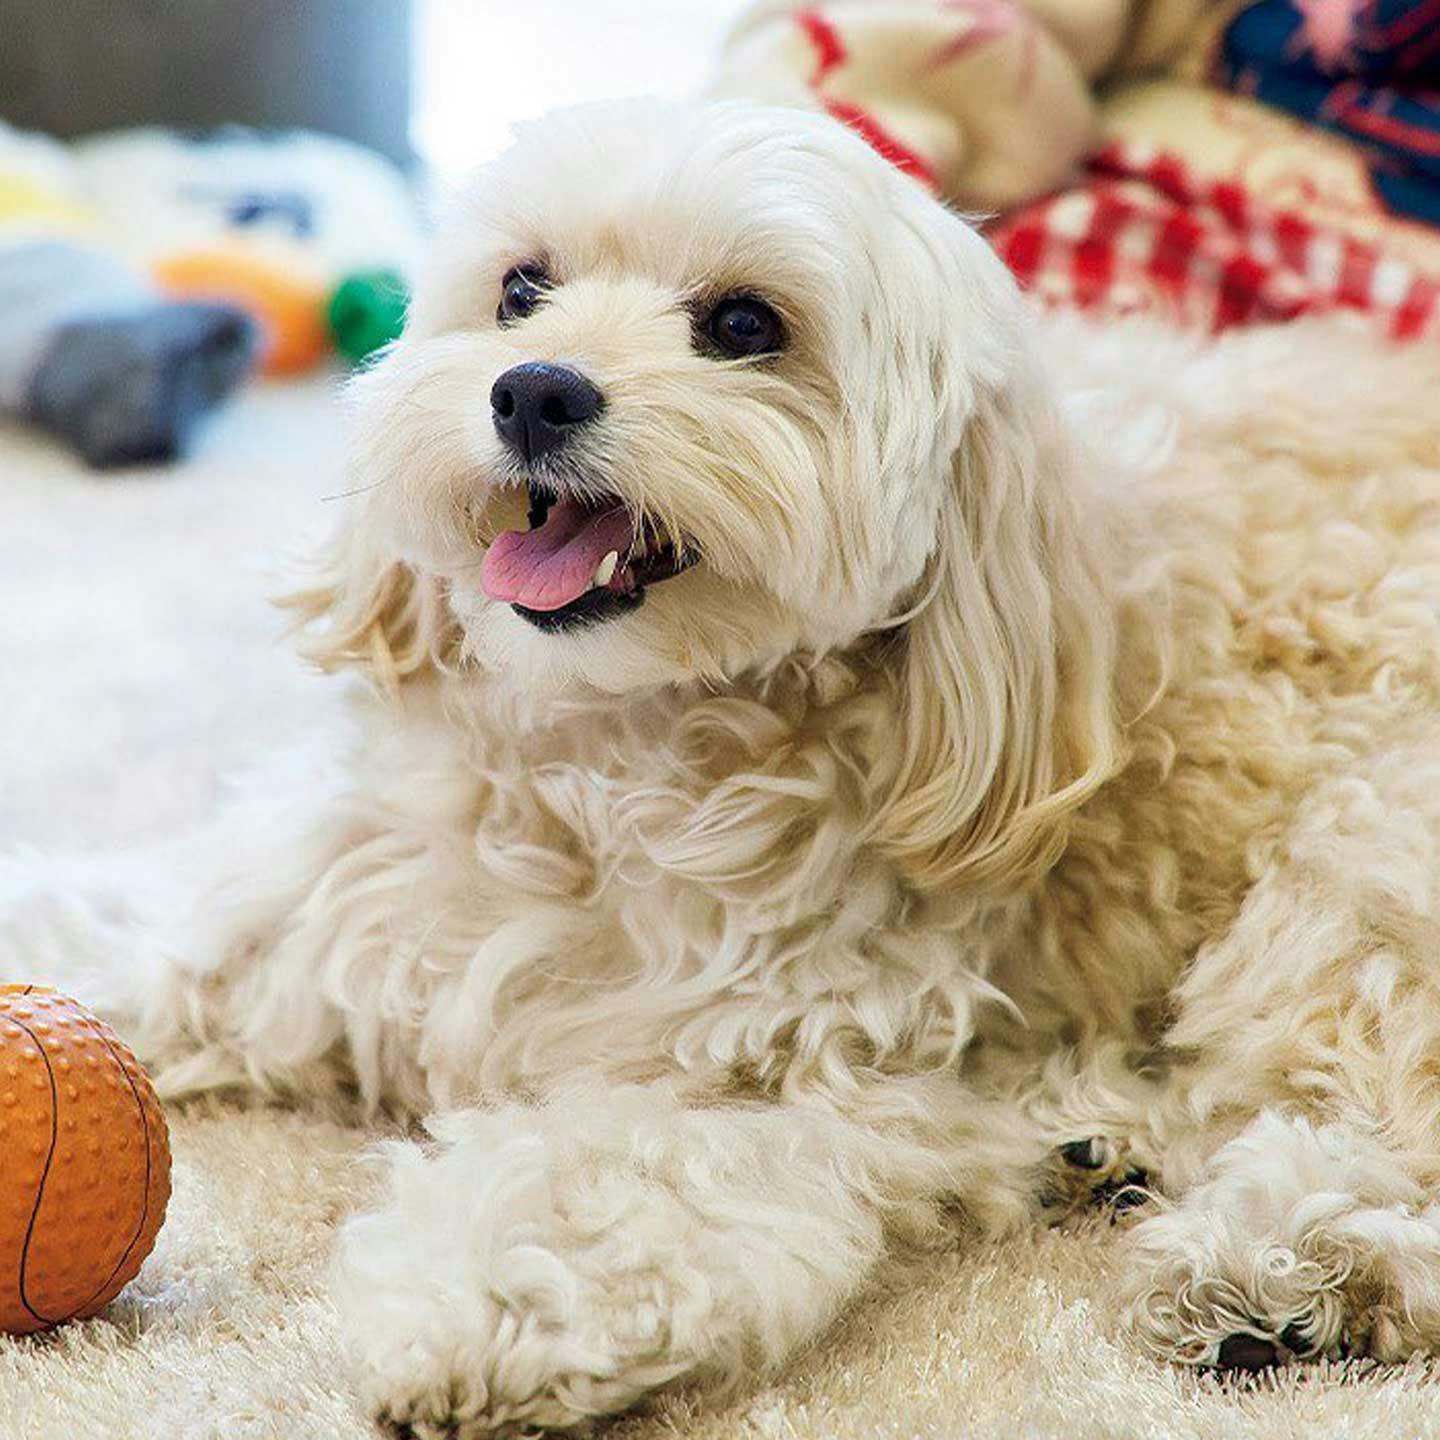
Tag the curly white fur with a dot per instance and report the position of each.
(1033, 786)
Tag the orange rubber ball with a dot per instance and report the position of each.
(86, 1167)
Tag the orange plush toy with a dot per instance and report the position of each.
(286, 304)
(87, 1161)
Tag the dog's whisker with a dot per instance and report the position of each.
(358, 490)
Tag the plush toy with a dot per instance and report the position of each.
(304, 232)
(367, 312)
(87, 1161)
(90, 349)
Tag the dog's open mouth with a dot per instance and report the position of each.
(580, 562)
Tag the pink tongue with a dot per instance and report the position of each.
(545, 568)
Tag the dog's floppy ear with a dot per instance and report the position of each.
(1004, 676)
(367, 610)
(364, 605)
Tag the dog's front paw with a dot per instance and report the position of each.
(443, 1350)
(436, 1357)
(472, 1305)
(1207, 1291)
(1089, 1174)
(1305, 1242)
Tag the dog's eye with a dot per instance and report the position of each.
(743, 325)
(523, 289)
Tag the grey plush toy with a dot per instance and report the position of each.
(89, 350)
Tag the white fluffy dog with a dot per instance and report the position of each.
(827, 779)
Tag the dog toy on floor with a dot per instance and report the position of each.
(90, 349)
(367, 312)
(308, 234)
(87, 1161)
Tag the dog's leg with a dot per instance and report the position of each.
(1302, 1241)
(1307, 1177)
(546, 1264)
(1104, 1120)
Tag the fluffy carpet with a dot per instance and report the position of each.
(141, 667)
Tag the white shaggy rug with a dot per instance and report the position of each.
(139, 665)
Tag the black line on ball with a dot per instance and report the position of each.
(145, 1203)
(44, 1174)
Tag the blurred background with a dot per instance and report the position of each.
(543, 54)
(435, 80)
(279, 157)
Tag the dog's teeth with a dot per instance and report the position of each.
(606, 568)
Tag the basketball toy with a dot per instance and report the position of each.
(85, 1176)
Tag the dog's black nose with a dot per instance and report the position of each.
(538, 407)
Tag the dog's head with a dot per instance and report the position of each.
(689, 389)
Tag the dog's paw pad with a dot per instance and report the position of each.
(1091, 1154)
(1126, 1191)
(1247, 1354)
(1093, 1174)
(1296, 1339)
(412, 1429)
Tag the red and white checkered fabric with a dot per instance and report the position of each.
(990, 104)
(1143, 233)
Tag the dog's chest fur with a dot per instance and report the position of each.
(673, 886)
